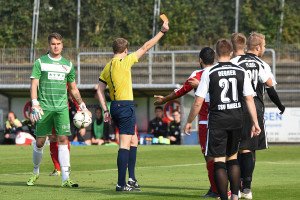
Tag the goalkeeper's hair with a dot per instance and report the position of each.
(54, 35)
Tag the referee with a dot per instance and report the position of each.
(117, 76)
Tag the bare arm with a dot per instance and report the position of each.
(33, 88)
(193, 113)
(269, 82)
(75, 92)
(101, 96)
(160, 100)
(149, 44)
(252, 111)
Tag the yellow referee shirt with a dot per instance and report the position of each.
(117, 75)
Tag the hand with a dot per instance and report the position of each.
(88, 112)
(158, 100)
(165, 27)
(82, 106)
(107, 117)
(36, 113)
(282, 109)
(6, 135)
(255, 130)
(187, 128)
(172, 138)
(193, 82)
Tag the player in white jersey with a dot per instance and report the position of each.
(259, 77)
(228, 86)
(49, 77)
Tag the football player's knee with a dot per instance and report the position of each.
(134, 141)
(63, 139)
(38, 146)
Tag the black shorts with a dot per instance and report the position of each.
(259, 142)
(221, 143)
(123, 114)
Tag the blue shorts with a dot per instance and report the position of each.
(123, 114)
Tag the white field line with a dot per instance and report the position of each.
(162, 166)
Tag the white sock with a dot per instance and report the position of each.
(234, 197)
(64, 161)
(37, 158)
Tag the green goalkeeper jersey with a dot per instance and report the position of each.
(53, 75)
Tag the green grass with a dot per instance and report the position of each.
(164, 172)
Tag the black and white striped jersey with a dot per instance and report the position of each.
(261, 87)
(227, 84)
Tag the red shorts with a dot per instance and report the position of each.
(202, 133)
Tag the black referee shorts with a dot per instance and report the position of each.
(221, 143)
(123, 114)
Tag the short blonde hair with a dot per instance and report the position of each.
(238, 41)
(255, 39)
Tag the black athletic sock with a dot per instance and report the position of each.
(234, 174)
(247, 168)
(132, 161)
(122, 162)
(221, 179)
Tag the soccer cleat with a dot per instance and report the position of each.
(134, 183)
(126, 188)
(246, 194)
(32, 179)
(210, 194)
(55, 173)
(69, 183)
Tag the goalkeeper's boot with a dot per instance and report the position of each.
(126, 188)
(32, 179)
(55, 173)
(69, 183)
(246, 194)
(134, 183)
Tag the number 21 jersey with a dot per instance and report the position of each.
(227, 84)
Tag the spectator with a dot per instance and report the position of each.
(12, 127)
(157, 126)
(175, 128)
(97, 136)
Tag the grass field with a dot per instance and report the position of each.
(164, 172)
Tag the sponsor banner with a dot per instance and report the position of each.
(283, 128)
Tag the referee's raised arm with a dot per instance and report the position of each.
(149, 44)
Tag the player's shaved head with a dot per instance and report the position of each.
(223, 47)
(254, 40)
(238, 41)
(207, 55)
(54, 35)
(120, 45)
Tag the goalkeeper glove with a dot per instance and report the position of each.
(36, 111)
(82, 106)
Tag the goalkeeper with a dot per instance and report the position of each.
(49, 77)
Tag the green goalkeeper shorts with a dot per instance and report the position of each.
(59, 120)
